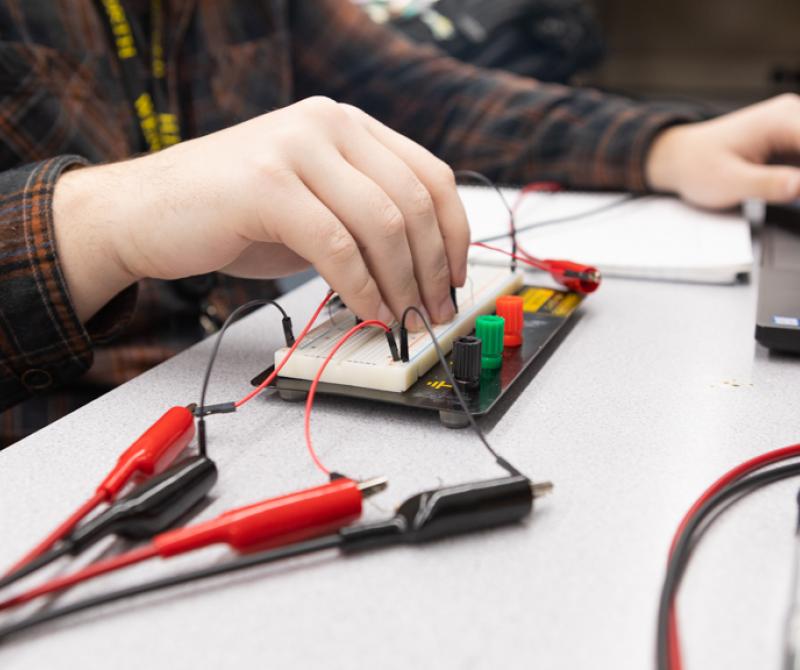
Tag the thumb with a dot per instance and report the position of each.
(773, 183)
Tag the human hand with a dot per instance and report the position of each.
(316, 182)
(721, 162)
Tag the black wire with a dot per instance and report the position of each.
(58, 552)
(565, 219)
(472, 174)
(689, 539)
(240, 563)
(39, 562)
(213, 357)
(251, 560)
(329, 308)
(502, 462)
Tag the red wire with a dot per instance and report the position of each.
(313, 388)
(525, 256)
(527, 259)
(534, 187)
(731, 476)
(296, 344)
(565, 273)
(674, 640)
(61, 531)
(727, 479)
(100, 568)
(144, 553)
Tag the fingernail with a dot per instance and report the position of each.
(385, 314)
(446, 310)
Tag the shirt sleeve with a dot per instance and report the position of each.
(42, 342)
(511, 128)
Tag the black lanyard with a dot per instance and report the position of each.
(146, 87)
(158, 127)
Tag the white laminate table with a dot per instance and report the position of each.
(658, 390)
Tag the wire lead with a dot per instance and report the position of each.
(502, 462)
(472, 174)
(791, 658)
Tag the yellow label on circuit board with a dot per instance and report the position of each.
(439, 384)
(548, 301)
(568, 303)
(534, 298)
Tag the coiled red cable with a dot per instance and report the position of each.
(730, 477)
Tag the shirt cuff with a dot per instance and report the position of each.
(43, 344)
(616, 157)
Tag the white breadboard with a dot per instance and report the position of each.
(365, 361)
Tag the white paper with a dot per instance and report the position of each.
(656, 237)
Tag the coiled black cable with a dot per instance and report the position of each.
(690, 537)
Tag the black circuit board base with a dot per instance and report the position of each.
(549, 314)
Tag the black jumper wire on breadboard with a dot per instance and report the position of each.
(363, 368)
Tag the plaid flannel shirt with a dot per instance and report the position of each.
(63, 105)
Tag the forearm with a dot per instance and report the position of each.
(157, 216)
(511, 128)
(316, 182)
(89, 206)
(44, 342)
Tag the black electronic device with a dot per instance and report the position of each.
(778, 315)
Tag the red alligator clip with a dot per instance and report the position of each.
(153, 452)
(575, 276)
